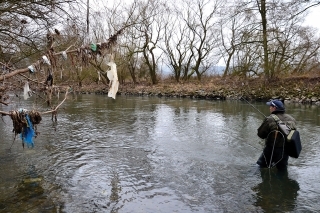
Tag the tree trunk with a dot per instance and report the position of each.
(263, 13)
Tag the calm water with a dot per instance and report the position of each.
(140, 154)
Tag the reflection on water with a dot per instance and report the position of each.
(139, 154)
(28, 193)
(277, 192)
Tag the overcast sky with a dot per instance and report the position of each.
(313, 19)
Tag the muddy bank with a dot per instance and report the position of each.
(298, 90)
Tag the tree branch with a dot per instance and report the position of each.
(56, 108)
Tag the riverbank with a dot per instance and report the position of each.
(294, 89)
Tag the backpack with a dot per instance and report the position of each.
(292, 137)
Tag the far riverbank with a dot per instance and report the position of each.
(303, 90)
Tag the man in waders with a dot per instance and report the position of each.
(274, 153)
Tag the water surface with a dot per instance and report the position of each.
(143, 154)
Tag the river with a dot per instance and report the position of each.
(150, 154)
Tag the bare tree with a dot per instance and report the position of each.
(272, 29)
(201, 18)
(176, 46)
(150, 27)
(131, 42)
(281, 34)
(24, 24)
(236, 30)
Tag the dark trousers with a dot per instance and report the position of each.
(279, 158)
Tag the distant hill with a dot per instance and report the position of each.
(215, 70)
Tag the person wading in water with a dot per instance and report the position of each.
(274, 153)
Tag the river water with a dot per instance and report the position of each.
(149, 154)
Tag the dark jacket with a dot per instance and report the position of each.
(269, 125)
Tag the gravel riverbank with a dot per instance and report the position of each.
(303, 90)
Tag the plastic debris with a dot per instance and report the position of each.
(46, 60)
(26, 91)
(93, 47)
(31, 68)
(113, 77)
(28, 133)
(64, 55)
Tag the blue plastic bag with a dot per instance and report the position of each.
(28, 133)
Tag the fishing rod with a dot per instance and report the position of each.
(253, 106)
(270, 164)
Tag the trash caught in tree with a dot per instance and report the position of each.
(25, 121)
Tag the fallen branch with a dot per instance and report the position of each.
(46, 112)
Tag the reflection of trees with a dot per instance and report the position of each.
(29, 196)
(115, 188)
(277, 192)
(30, 186)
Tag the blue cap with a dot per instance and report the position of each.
(276, 103)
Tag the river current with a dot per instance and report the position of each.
(150, 154)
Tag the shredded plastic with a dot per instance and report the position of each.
(26, 91)
(28, 133)
(113, 77)
(93, 47)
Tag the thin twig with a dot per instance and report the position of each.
(4, 103)
(46, 112)
(5, 113)
(109, 43)
(56, 108)
(13, 142)
(31, 79)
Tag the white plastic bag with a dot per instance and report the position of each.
(113, 77)
(26, 91)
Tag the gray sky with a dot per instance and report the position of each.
(313, 18)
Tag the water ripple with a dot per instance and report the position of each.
(155, 155)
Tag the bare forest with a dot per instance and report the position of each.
(56, 46)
